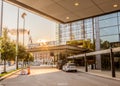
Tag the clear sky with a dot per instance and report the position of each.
(40, 28)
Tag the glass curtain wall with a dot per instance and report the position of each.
(109, 32)
(77, 31)
(109, 26)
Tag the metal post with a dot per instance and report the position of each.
(1, 22)
(86, 66)
(17, 39)
(23, 30)
(23, 16)
(1, 18)
(112, 61)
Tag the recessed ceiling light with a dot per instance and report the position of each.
(67, 17)
(76, 4)
(115, 5)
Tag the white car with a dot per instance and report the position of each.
(69, 67)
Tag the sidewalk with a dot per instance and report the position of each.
(101, 73)
(10, 74)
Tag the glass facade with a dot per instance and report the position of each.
(108, 25)
(101, 30)
(76, 31)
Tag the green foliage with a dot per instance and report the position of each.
(8, 50)
(81, 43)
(28, 57)
(105, 45)
(24, 55)
(4, 74)
(75, 42)
(7, 47)
(21, 52)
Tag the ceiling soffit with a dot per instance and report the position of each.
(58, 10)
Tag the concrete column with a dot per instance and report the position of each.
(97, 43)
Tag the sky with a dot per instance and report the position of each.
(40, 28)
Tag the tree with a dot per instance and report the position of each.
(29, 57)
(7, 48)
(23, 55)
(21, 52)
(105, 45)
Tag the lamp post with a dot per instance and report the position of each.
(23, 16)
(17, 40)
(1, 22)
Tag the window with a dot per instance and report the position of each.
(109, 31)
(118, 13)
(111, 38)
(108, 22)
(119, 20)
(108, 16)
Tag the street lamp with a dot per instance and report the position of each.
(17, 40)
(1, 21)
(23, 16)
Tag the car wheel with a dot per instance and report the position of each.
(75, 70)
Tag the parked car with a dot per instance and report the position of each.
(69, 67)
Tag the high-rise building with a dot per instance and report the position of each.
(107, 27)
(100, 29)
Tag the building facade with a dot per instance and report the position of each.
(108, 25)
(100, 30)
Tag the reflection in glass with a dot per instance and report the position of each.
(109, 31)
(108, 16)
(111, 38)
(108, 22)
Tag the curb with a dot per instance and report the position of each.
(8, 75)
(107, 77)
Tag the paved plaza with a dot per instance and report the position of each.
(54, 77)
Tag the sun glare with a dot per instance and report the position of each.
(41, 41)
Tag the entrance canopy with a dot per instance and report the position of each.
(66, 11)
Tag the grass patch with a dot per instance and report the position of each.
(3, 74)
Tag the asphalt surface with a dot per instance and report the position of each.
(55, 77)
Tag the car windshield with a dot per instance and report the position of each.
(71, 64)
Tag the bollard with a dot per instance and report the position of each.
(28, 69)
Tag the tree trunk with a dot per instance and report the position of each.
(4, 71)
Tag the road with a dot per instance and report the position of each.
(54, 77)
